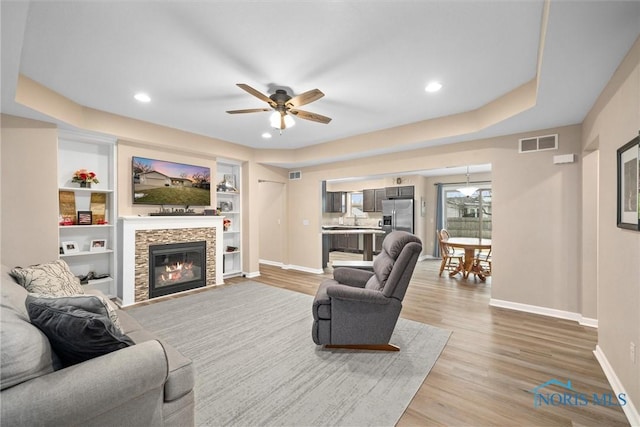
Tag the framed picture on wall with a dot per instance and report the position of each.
(629, 185)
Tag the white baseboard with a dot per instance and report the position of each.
(303, 269)
(629, 409)
(545, 311)
(267, 262)
(587, 321)
(251, 275)
(291, 267)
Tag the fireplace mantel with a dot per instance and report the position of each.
(129, 263)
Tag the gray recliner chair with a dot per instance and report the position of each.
(359, 309)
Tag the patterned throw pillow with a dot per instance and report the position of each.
(53, 279)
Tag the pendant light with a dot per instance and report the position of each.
(467, 190)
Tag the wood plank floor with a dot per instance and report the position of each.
(494, 358)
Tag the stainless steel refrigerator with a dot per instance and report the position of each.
(397, 215)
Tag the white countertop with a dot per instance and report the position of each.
(354, 231)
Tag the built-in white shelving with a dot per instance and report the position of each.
(95, 153)
(229, 204)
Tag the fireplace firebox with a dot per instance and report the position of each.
(176, 267)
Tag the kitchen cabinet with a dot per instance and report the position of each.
(345, 242)
(381, 195)
(372, 199)
(403, 192)
(334, 201)
(369, 200)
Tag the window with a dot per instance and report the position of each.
(355, 204)
(468, 216)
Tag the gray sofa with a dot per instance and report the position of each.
(146, 384)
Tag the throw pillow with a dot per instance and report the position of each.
(54, 279)
(93, 303)
(75, 333)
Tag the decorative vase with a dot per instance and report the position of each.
(85, 185)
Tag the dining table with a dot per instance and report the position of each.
(470, 245)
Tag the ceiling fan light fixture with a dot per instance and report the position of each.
(288, 121)
(276, 122)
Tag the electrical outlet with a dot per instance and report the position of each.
(632, 352)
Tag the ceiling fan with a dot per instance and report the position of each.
(284, 105)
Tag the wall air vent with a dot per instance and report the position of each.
(538, 143)
(295, 175)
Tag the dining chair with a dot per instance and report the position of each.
(482, 264)
(449, 254)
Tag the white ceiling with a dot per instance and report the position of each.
(371, 59)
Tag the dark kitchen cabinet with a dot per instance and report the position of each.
(404, 192)
(369, 200)
(334, 201)
(345, 242)
(372, 199)
(380, 196)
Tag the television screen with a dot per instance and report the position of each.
(158, 182)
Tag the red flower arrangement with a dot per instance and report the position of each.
(83, 175)
(226, 223)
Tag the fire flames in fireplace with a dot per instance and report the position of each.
(176, 273)
(176, 267)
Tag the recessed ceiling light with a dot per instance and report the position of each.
(142, 97)
(266, 135)
(433, 87)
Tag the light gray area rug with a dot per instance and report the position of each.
(257, 365)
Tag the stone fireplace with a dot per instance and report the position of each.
(140, 266)
(176, 267)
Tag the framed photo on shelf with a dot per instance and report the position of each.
(85, 218)
(629, 185)
(70, 247)
(98, 245)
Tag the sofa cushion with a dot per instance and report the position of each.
(25, 352)
(75, 332)
(53, 278)
(92, 303)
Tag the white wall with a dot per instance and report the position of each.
(615, 120)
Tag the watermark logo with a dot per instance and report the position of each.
(545, 395)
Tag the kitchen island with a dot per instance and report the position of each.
(367, 239)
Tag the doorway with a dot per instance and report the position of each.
(272, 202)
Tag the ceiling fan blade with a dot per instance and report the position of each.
(305, 98)
(256, 93)
(310, 116)
(249, 110)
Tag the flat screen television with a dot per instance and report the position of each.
(160, 182)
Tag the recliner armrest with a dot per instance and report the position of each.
(357, 294)
(352, 276)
